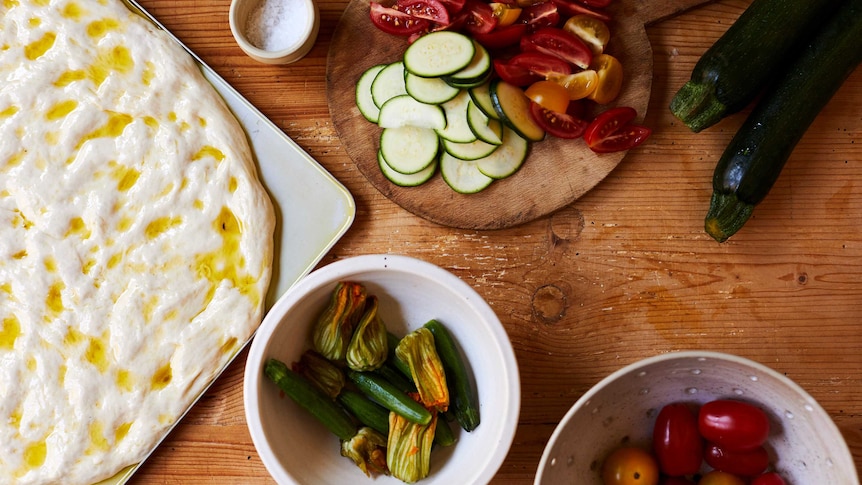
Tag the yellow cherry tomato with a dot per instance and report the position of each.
(610, 73)
(630, 466)
(591, 30)
(716, 477)
(579, 85)
(549, 95)
(506, 14)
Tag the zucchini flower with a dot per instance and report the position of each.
(369, 346)
(334, 327)
(417, 350)
(408, 450)
(368, 450)
(321, 372)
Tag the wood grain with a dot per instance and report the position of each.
(622, 273)
(557, 171)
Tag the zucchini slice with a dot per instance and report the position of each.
(439, 54)
(463, 176)
(409, 149)
(475, 73)
(507, 158)
(431, 90)
(406, 180)
(481, 95)
(485, 129)
(403, 110)
(469, 151)
(513, 108)
(457, 128)
(388, 83)
(364, 100)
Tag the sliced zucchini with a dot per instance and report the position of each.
(469, 151)
(409, 149)
(463, 176)
(406, 180)
(485, 129)
(513, 108)
(507, 158)
(457, 129)
(475, 73)
(364, 101)
(388, 83)
(439, 54)
(431, 90)
(403, 110)
(481, 95)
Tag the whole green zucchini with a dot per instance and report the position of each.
(735, 69)
(753, 160)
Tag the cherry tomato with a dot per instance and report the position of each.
(559, 43)
(676, 442)
(747, 463)
(630, 466)
(539, 15)
(502, 36)
(528, 67)
(432, 10)
(591, 30)
(666, 480)
(396, 22)
(771, 478)
(561, 125)
(610, 81)
(716, 477)
(735, 425)
(549, 95)
(506, 14)
(480, 19)
(453, 6)
(613, 131)
(569, 8)
(579, 85)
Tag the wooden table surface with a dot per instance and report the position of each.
(623, 273)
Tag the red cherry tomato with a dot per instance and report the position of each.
(570, 8)
(528, 67)
(396, 22)
(432, 10)
(630, 466)
(502, 36)
(561, 125)
(613, 131)
(771, 478)
(735, 425)
(558, 43)
(453, 6)
(746, 463)
(716, 477)
(480, 18)
(539, 15)
(676, 442)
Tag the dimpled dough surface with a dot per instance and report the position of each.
(135, 238)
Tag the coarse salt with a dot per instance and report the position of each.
(274, 25)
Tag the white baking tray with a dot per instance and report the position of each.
(313, 209)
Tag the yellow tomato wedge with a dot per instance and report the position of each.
(591, 30)
(610, 74)
(549, 95)
(506, 14)
(579, 85)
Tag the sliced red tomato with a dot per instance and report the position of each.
(746, 463)
(559, 43)
(596, 3)
(676, 441)
(453, 6)
(480, 18)
(541, 64)
(736, 425)
(561, 125)
(502, 36)
(771, 478)
(569, 8)
(395, 22)
(432, 10)
(514, 74)
(613, 131)
(538, 15)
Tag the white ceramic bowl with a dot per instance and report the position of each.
(291, 33)
(805, 445)
(297, 449)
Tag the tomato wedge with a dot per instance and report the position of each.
(569, 8)
(480, 18)
(514, 74)
(549, 95)
(453, 6)
(432, 10)
(613, 131)
(395, 22)
(559, 43)
(538, 15)
(502, 36)
(596, 3)
(561, 125)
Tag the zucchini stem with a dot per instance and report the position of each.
(696, 105)
(726, 215)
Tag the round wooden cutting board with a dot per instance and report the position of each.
(557, 171)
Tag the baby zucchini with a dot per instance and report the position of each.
(389, 396)
(465, 402)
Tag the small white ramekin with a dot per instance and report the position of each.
(308, 26)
